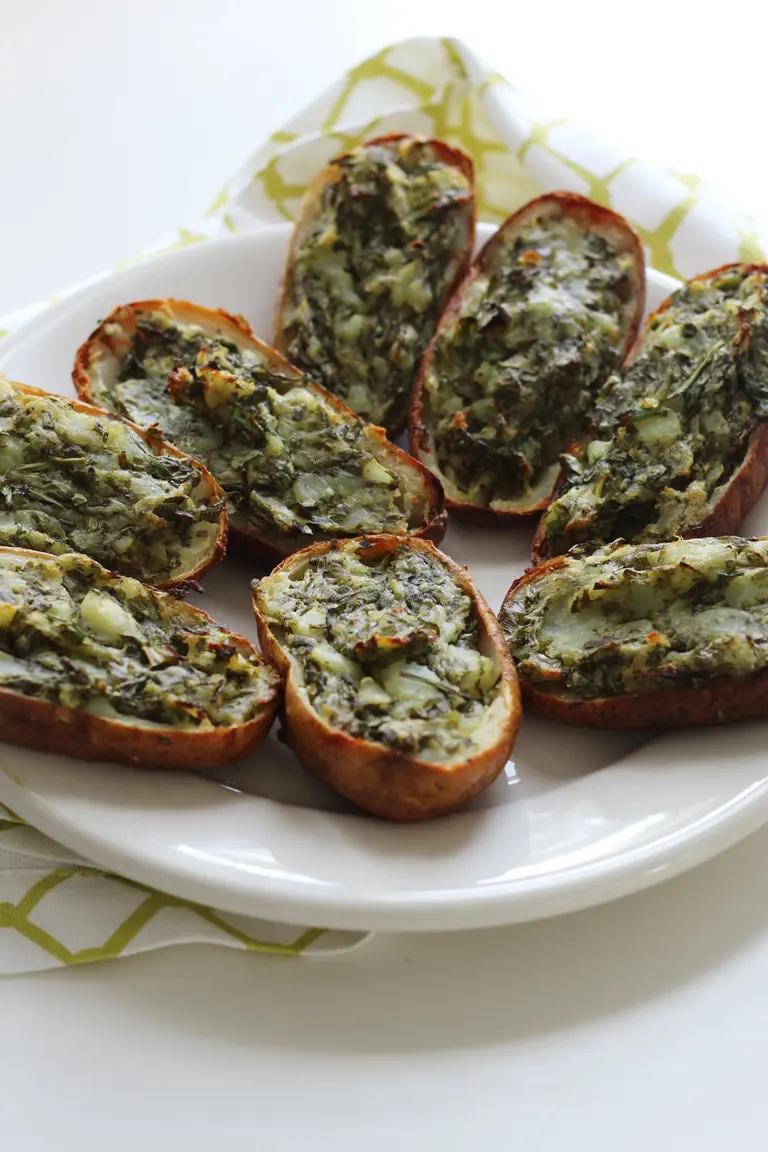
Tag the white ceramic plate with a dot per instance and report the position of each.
(577, 819)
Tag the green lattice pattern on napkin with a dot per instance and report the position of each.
(72, 913)
(61, 908)
(438, 87)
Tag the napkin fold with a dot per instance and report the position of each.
(58, 909)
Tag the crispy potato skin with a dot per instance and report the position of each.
(53, 728)
(264, 551)
(748, 481)
(592, 217)
(382, 782)
(739, 700)
(329, 175)
(160, 448)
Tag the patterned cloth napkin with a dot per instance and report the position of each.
(58, 909)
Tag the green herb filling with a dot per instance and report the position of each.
(290, 463)
(75, 635)
(672, 428)
(654, 617)
(516, 370)
(70, 481)
(372, 273)
(388, 649)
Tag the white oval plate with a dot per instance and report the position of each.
(577, 819)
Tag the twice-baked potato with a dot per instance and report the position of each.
(75, 479)
(549, 308)
(400, 692)
(679, 440)
(646, 635)
(385, 232)
(296, 464)
(101, 667)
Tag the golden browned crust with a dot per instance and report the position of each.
(124, 317)
(53, 728)
(422, 485)
(214, 493)
(748, 482)
(590, 216)
(743, 699)
(382, 782)
(453, 157)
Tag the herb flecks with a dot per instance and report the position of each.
(70, 481)
(515, 371)
(372, 270)
(388, 648)
(670, 430)
(293, 467)
(643, 618)
(73, 634)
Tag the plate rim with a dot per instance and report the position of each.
(514, 902)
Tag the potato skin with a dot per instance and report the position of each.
(160, 448)
(385, 783)
(738, 700)
(592, 217)
(328, 175)
(749, 480)
(52, 727)
(265, 551)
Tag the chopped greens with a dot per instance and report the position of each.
(671, 429)
(73, 634)
(70, 481)
(652, 617)
(516, 369)
(372, 270)
(294, 469)
(387, 647)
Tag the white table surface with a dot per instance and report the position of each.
(640, 1025)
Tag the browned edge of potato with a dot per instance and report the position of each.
(748, 481)
(412, 473)
(331, 173)
(50, 727)
(380, 781)
(742, 699)
(593, 217)
(160, 448)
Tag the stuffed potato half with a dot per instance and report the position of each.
(296, 464)
(400, 692)
(549, 308)
(99, 666)
(644, 636)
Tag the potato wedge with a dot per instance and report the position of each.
(644, 636)
(400, 692)
(384, 234)
(295, 463)
(74, 479)
(549, 308)
(679, 438)
(101, 667)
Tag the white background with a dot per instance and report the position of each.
(641, 1025)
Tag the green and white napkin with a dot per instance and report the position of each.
(56, 909)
